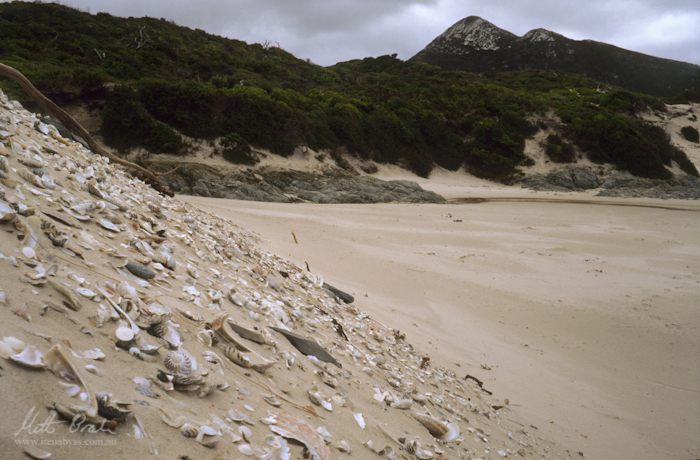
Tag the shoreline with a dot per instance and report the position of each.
(568, 311)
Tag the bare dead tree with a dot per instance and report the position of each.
(77, 129)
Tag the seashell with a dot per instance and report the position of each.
(29, 357)
(453, 432)
(93, 353)
(178, 362)
(189, 430)
(36, 453)
(28, 252)
(272, 400)
(85, 292)
(404, 403)
(127, 291)
(359, 419)
(110, 409)
(10, 346)
(291, 427)
(7, 212)
(108, 225)
(239, 417)
(124, 333)
(140, 270)
(246, 450)
(58, 361)
(69, 300)
(344, 447)
(144, 387)
(269, 420)
(436, 428)
(171, 335)
(3, 297)
(30, 177)
(307, 346)
(246, 432)
(236, 356)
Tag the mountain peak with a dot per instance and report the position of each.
(474, 32)
(541, 35)
(476, 45)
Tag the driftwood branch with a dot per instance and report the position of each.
(77, 129)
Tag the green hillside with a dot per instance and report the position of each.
(150, 79)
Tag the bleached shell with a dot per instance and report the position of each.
(10, 346)
(124, 333)
(245, 449)
(28, 252)
(239, 417)
(36, 453)
(85, 292)
(436, 428)
(453, 432)
(359, 419)
(108, 225)
(246, 432)
(29, 357)
(272, 400)
(344, 447)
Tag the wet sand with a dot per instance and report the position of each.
(584, 315)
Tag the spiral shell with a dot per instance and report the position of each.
(189, 430)
(178, 362)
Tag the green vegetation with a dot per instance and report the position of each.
(150, 77)
(558, 150)
(690, 134)
(237, 150)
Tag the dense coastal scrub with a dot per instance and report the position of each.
(151, 80)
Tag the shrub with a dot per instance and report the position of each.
(338, 155)
(237, 150)
(127, 124)
(690, 134)
(558, 150)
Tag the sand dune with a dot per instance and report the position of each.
(584, 315)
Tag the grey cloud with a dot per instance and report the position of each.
(334, 30)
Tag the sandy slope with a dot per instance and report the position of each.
(585, 316)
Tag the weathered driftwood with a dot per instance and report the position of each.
(77, 129)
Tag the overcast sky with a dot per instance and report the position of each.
(328, 31)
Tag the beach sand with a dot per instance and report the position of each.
(584, 315)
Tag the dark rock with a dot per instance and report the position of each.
(344, 296)
(584, 178)
(288, 186)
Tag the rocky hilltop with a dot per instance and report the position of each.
(476, 45)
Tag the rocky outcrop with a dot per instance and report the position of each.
(619, 184)
(288, 186)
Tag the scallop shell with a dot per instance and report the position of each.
(189, 430)
(178, 362)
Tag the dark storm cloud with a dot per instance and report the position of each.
(335, 30)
